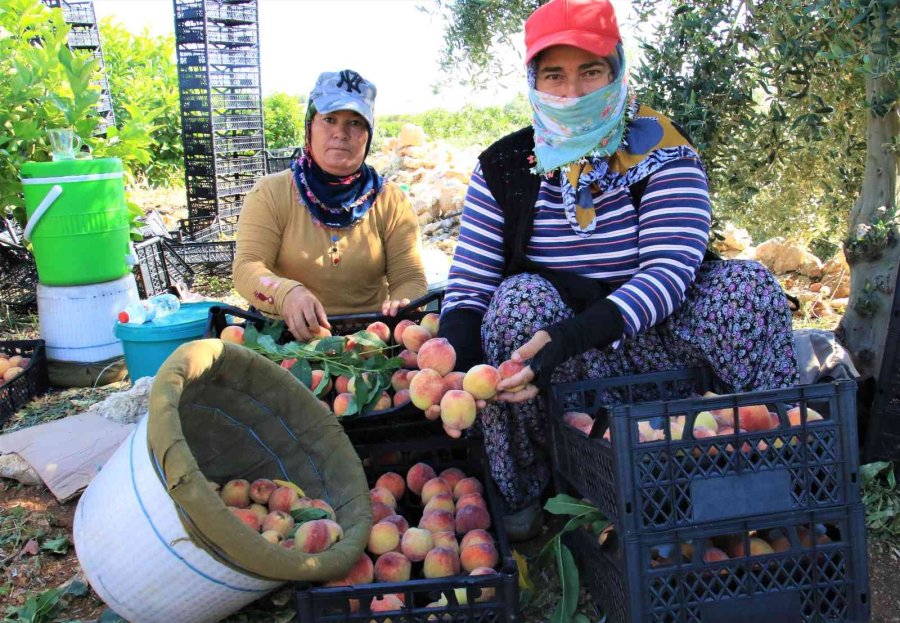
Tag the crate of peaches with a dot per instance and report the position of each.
(796, 567)
(437, 550)
(23, 374)
(381, 379)
(661, 451)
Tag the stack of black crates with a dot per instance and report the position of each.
(217, 44)
(85, 36)
(762, 524)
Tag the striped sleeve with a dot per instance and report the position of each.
(673, 230)
(477, 267)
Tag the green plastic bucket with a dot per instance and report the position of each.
(77, 220)
(147, 346)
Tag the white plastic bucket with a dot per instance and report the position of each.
(137, 556)
(77, 322)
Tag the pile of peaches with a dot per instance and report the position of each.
(450, 538)
(712, 423)
(12, 367)
(275, 508)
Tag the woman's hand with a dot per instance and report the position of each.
(303, 313)
(391, 307)
(518, 387)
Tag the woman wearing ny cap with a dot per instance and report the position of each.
(329, 235)
(581, 254)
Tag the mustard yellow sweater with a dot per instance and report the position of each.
(279, 246)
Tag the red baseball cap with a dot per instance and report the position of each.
(587, 24)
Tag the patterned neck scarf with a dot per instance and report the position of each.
(332, 200)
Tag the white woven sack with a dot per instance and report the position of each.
(138, 557)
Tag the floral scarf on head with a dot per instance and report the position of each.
(332, 200)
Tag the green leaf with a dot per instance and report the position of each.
(302, 372)
(77, 588)
(108, 616)
(251, 336)
(302, 515)
(57, 546)
(366, 338)
(563, 504)
(870, 471)
(331, 345)
(569, 583)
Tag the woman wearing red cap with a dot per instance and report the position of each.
(581, 253)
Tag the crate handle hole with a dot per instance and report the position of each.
(628, 508)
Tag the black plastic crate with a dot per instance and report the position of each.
(335, 604)
(18, 277)
(80, 13)
(668, 483)
(281, 159)
(84, 37)
(32, 382)
(159, 269)
(389, 425)
(200, 228)
(241, 142)
(205, 258)
(193, 32)
(663, 578)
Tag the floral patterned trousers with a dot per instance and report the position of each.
(735, 319)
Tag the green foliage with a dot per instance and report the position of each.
(284, 115)
(465, 127)
(143, 80)
(882, 501)
(45, 85)
(367, 360)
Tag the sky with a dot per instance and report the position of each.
(390, 42)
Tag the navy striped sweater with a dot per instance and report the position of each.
(650, 254)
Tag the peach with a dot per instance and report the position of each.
(261, 489)
(381, 330)
(433, 487)
(282, 498)
(779, 542)
(581, 421)
(431, 322)
(4, 366)
(280, 522)
(437, 521)
(441, 562)
(723, 417)
(260, 510)
(401, 397)
(445, 538)
(314, 536)
(411, 374)
(300, 503)
(383, 495)
(15, 361)
(416, 543)
(466, 486)
(476, 536)
(754, 418)
(383, 537)
(399, 328)
(236, 493)
(399, 380)
(418, 475)
(362, 571)
(322, 505)
(342, 384)
(440, 501)
(319, 333)
(714, 554)
(471, 499)
(426, 389)
(481, 381)
(458, 409)
(478, 555)
(414, 337)
(232, 333)
(272, 537)
(351, 384)
(472, 517)
(392, 567)
(707, 420)
(288, 544)
(287, 364)
(335, 532)
(318, 378)
(247, 516)
(437, 354)
(383, 402)
(386, 604)
(409, 360)
(758, 547)
(393, 482)
(342, 403)
(487, 594)
(399, 521)
(795, 419)
(454, 380)
(510, 368)
(452, 475)
(380, 510)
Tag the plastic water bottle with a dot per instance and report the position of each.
(153, 308)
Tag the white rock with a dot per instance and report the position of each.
(783, 256)
(411, 134)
